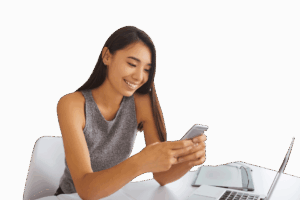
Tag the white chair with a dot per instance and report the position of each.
(46, 167)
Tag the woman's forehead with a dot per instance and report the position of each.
(139, 50)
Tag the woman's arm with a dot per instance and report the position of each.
(151, 136)
(106, 182)
(173, 174)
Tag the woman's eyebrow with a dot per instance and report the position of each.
(134, 58)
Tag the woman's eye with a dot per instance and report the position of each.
(147, 70)
(131, 64)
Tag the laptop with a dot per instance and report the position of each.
(206, 192)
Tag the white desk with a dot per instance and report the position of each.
(287, 188)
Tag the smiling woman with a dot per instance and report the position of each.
(99, 120)
(127, 69)
(118, 41)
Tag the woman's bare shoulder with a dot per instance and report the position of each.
(73, 104)
(75, 97)
(73, 101)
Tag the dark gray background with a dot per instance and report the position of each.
(233, 66)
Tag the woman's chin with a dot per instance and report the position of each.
(128, 93)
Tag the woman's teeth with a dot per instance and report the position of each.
(131, 85)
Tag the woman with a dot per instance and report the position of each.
(99, 122)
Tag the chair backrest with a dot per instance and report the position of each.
(46, 168)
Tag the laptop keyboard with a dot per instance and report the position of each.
(231, 195)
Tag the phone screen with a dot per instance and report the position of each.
(196, 130)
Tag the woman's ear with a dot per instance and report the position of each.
(105, 55)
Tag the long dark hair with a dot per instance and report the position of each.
(120, 39)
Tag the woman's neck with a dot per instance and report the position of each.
(107, 96)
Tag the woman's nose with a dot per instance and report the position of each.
(138, 74)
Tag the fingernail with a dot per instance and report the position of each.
(196, 144)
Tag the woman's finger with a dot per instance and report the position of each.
(199, 138)
(190, 154)
(192, 157)
(198, 162)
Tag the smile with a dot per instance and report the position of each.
(130, 85)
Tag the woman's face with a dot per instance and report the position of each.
(132, 65)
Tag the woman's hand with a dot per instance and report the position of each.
(197, 153)
(160, 156)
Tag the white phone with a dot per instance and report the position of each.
(196, 130)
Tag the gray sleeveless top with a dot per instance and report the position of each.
(109, 142)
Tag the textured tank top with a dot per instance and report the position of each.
(109, 142)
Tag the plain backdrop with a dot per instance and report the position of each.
(231, 65)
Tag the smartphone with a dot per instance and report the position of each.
(196, 130)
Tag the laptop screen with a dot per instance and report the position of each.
(283, 165)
